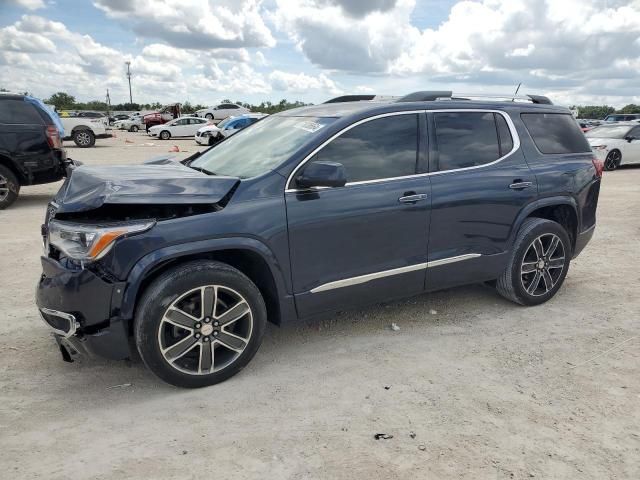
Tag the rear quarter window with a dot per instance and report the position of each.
(555, 133)
(19, 112)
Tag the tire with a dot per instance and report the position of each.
(9, 187)
(518, 282)
(213, 140)
(209, 116)
(613, 160)
(165, 135)
(134, 128)
(157, 336)
(84, 138)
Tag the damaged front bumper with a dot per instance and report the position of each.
(81, 309)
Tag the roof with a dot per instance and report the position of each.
(345, 109)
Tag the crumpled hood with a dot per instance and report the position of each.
(161, 182)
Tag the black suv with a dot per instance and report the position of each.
(310, 211)
(31, 150)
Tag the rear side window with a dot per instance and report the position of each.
(555, 133)
(14, 111)
(382, 148)
(504, 135)
(468, 139)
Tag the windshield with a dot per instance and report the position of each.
(619, 131)
(225, 122)
(261, 147)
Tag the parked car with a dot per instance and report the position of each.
(31, 151)
(622, 117)
(180, 127)
(210, 134)
(309, 211)
(221, 111)
(84, 130)
(117, 117)
(614, 143)
(164, 115)
(132, 123)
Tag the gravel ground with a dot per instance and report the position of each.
(477, 388)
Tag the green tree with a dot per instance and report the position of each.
(595, 112)
(61, 100)
(631, 108)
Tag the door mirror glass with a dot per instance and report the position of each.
(322, 174)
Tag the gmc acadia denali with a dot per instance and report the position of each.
(310, 211)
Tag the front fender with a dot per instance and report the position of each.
(150, 261)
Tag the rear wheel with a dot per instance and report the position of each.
(84, 138)
(209, 116)
(539, 263)
(9, 187)
(199, 324)
(165, 135)
(613, 160)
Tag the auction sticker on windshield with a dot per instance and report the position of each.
(311, 127)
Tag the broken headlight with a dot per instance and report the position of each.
(87, 243)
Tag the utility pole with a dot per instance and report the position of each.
(129, 77)
(108, 98)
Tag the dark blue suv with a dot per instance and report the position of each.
(310, 211)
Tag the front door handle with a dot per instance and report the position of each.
(416, 197)
(520, 185)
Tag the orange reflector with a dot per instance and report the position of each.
(104, 241)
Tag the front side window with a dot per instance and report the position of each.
(469, 139)
(555, 133)
(382, 148)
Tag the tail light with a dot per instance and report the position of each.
(53, 137)
(599, 166)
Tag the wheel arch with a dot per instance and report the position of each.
(7, 162)
(563, 210)
(251, 257)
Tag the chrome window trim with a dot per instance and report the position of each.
(510, 124)
(348, 282)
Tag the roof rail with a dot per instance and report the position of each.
(430, 96)
(361, 98)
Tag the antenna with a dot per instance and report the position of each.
(129, 77)
(516, 92)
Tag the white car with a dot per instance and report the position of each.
(616, 143)
(214, 133)
(132, 124)
(221, 111)
(180, 127)
(84, 130)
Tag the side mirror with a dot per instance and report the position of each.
(629, 138)
(322, 174)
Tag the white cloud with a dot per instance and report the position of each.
(29, 4)
(194, 24)
(302, 83)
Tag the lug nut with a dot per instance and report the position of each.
(198, 325)
(198, 335)
(215, 324)
(206, 339)
(207, 320)
(215, 333)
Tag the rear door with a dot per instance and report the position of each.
(367, 241)
(632, 148)
(480, 181)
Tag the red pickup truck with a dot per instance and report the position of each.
(167, 113)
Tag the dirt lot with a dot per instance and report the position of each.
(481, 389)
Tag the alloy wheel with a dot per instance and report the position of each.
(83, 138)
(4, 188)
(205, 330)
(542, 264)
(613, 160)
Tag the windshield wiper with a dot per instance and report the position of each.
(203, 170)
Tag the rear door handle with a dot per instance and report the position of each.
(518, 185)
(416, 197)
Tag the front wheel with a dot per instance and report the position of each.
(613, 160)
(165, 135)
(134, 128)
(539, 263)
(209, 116)
(199, 324)
(84, 138)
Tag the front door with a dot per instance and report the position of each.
(367, 241)
(480, 183)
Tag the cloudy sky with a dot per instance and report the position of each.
(575, 51)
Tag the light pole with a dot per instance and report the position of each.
(129, 77)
